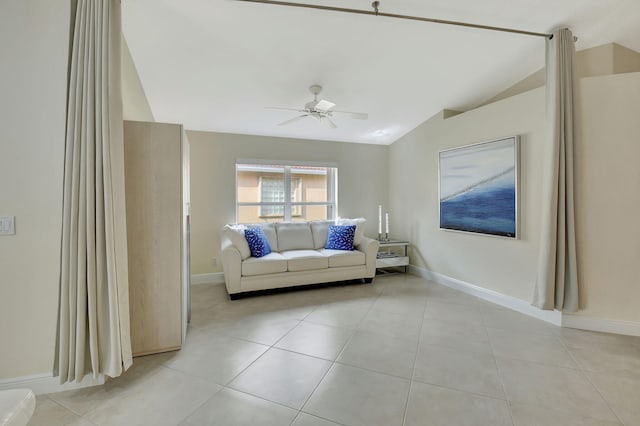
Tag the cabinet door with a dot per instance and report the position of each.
(153, 175)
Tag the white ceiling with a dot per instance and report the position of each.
(215, 65)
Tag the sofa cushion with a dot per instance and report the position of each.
(340, 258)
(359, 222)
(270, 231)
(305, 260)
(340, 237)
(258, 242)
(294, 236)
(319, 231)
(235, 234)
(272, 263)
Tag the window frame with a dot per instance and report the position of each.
(289, 206)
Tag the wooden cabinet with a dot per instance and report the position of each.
(157, 197)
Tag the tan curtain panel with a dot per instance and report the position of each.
(93, 316)
(557, 282)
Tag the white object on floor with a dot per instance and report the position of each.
(16, 406)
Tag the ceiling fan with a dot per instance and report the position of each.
(321, 110)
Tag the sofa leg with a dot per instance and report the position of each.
(368, 280)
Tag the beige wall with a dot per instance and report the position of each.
(32, 110)
(610, 58)
(135, 106)
(625, 60)
(503, 265)
(606, 195)
(362, 182)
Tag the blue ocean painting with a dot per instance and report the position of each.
(478, 188)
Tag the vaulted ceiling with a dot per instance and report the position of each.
(214, 65)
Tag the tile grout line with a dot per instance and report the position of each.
(415, 359)
(583, 372)
(495, 362)
(333, 363)
(386, 289)
(202, 405)
(262, 354)
(59, 404)
(273, 346)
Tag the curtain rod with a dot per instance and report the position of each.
(375, 12)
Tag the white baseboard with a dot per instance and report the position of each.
(212, 278)
(510, 302)
(46, 383)
(554, 317)
(599, 324)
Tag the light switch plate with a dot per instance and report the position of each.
(7, 225)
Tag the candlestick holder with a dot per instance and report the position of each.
(385, 239)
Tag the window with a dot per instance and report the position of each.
(261, 189)
(272, 191)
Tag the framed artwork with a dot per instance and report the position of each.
(478, 188)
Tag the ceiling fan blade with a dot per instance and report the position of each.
(356, 115)
(330, 122)
(284, 123)
(286, 109)
(324, 105)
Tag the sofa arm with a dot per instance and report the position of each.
(369, 247)
(232, 267)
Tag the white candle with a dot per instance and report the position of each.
(380, 219)
(387, 217)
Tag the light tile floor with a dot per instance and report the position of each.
(400, 351)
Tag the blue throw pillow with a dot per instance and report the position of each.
(258, 242)
(341, 237)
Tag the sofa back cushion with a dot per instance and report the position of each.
(294, 236)
(319, 231)
(270, 231)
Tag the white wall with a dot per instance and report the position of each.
(34, 45)
(607, 198)
(362, 182)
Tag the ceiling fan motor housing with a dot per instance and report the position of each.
(315, 89)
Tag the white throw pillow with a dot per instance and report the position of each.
(358, 222)
(235, 233)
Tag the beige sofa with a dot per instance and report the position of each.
(298, 258)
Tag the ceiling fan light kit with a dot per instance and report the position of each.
(322, 110)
